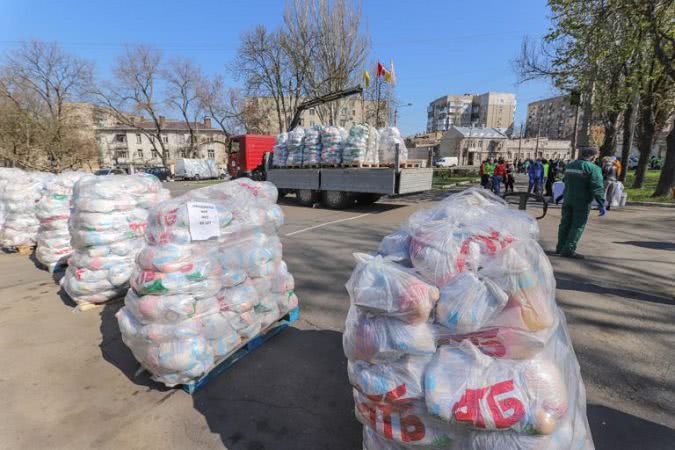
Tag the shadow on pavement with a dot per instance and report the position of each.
(653, 245)
(581, 284)
(615, 430)
(292, 393)
(375, 208)
(116, 353)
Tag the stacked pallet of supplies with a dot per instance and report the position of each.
(108, 221)
(210, 278)
(454, 339)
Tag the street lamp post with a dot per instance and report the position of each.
(396, 111)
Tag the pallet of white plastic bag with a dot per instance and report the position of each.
(244, 349)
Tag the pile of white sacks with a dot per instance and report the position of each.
(454, 339)
(210, 278)
(19, 193)
(53, 212)
(107, 228)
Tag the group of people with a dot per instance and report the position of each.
(493, 174)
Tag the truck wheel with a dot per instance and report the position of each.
(337, 199)
(367, 199)
(307, 197)
(197, 177)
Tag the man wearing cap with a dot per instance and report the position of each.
(583, 184)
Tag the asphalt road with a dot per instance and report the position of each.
(67, 380)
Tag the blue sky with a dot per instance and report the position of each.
(439, 47)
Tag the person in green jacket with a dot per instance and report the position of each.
(583, 184)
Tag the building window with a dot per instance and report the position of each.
(120, 138)
(311, 123)
(300, 123)
(138, 138)
(139, 153)
(155, 154)
(353, 112)
(343, 123)
(183, 154)
(165, 139)
(122, 154)
(211, 153)
(312, 111)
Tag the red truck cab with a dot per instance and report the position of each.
(246, 152)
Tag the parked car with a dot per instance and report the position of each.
(448, 161)
(196, 169)
(110, 171)
(160, 172)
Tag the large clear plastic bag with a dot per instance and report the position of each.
(396, 246)
(196, 297)
(19, 198)
(312, 152)
(295, 146)
(376, 338)
(384, 287)
(331, 145)
(107, 225)
(389, 137)
(356, 145)
(280, 150)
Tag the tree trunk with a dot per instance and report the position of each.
(608, 147)
(629, 120)
(647, 130)
(667, 177)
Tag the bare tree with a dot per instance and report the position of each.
(380, 101)
(328, 41)
(183, 84)
(39, 124)
(135, 90)
(264, 65)
(225, 106)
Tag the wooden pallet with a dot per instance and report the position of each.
(331, 166)
(295, 166)
(244, 349)
(311, 166)
(366, 165)
(24, 249)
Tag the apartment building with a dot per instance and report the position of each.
(122, 144)
(552, 118)
(351, 112)
(489, 110)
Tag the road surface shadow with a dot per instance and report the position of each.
(615, 430)
(292, 393)
(580, 284)
(653, 245)
(116, 353)
(375, 208)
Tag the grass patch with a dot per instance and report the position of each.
(442, 178)
(648, 186)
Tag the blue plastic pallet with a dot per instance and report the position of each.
(245, 349)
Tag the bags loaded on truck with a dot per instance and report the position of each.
(361, 145)
(454, 338)
(280, 150)
(210, 278)
(107, 226)
(389, 137)
(312, 151)
(331, 145)
(295, 146)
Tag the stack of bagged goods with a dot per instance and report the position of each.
(53, 211)
(454, 339)
(280, 150)
(20, 195)
(356, 145)
(210, 278)
(312, 152)
(389, 137)
(107, 227)
(331, 146)
(295, 146)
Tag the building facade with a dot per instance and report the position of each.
(471, 146)
(121, 144)
(490, 110)
(551, 118)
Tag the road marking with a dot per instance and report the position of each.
(327, 223)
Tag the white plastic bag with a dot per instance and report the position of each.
(388, 139)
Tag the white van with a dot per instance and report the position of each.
(448, 161)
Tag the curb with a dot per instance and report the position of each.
(657, 204)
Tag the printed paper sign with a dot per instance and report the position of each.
(203, 219)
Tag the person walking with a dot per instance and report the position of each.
(535, 174)
(498, 176)
(488, 172)
(609, 178)
(481, 173)
(583, 184)
(549, 177)
(509, 182)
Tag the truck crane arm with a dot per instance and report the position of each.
(321, 100)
